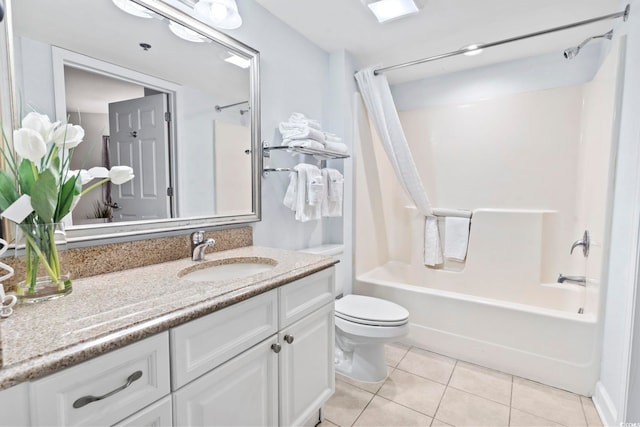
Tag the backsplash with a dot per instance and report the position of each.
(94, 260)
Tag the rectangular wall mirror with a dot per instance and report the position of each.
(155, 90)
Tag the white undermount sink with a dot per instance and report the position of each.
(228, 268)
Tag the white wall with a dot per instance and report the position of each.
(613, 397)
(528, 74)
(294, 77)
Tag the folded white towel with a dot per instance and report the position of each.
(307, 174)
(299, 131)
(336, 147)
(304, 143)
(432, 248)
(300, 118)
(456, 238)
(334, 183)
(332, 137)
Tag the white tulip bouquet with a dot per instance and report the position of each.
(38, 189)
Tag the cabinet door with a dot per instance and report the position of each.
(307, 377)
(155, 415)
(241, 392)
(14, 405)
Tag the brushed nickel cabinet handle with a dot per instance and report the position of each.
(288, 338)
(85, 400)
(276, 347)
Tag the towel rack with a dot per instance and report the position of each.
(319, 154)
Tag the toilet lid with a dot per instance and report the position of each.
(371, 311)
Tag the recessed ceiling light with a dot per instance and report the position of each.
(133, 8)
(472, 49)
(186, 33)
(386, 10)
(238, 60)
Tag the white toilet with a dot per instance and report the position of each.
(363, 326)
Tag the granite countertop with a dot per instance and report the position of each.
(109, 311)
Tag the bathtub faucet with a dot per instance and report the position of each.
(578, 280)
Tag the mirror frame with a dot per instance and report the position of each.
(83, 233)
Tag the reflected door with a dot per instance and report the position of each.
(232, 152)
(139, 138)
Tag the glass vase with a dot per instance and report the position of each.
(45, 278)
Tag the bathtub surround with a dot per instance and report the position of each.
(109, 258)
(555, 146)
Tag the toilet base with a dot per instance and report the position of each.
(364, 362)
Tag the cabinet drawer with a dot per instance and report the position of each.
(53, 397)
(201, 345)
(157, 415)
(302, 297)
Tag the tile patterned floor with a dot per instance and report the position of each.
(428, 389)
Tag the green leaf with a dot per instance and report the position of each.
(26, 176)
(71, 188)
(44, 195)
(8, 191)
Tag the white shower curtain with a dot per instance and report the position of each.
(382, 111)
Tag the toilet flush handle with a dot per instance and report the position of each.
(288, 338)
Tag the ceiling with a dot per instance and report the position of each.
(100, 30)
(442, 26)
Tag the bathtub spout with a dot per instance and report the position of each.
(578, 280)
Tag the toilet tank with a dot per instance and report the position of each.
(336, 251)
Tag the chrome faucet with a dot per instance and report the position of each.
(199, 244)
(578, 280)
(585, 243)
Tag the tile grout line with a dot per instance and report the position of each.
(584, 413)
(510, 400)
(363, 409)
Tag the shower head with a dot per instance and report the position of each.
(571, 52)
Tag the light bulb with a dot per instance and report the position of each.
(218, 11)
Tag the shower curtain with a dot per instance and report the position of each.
(382, 111)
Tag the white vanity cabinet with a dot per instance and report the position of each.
(265, 361)
(282, 380)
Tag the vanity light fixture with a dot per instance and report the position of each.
(472, 49)
(186, 33)
(219, 13)
(238, 60)
(387, 10)
(133, 8)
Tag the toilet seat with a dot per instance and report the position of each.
(370, 311)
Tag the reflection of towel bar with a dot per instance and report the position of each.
(219, 108)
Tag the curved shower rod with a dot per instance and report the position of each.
(624, 14)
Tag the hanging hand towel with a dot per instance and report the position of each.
(332, 202)
(292, 192)
(456, 238)
(304, 210)
(432, 249)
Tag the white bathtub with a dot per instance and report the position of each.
(534, 332)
